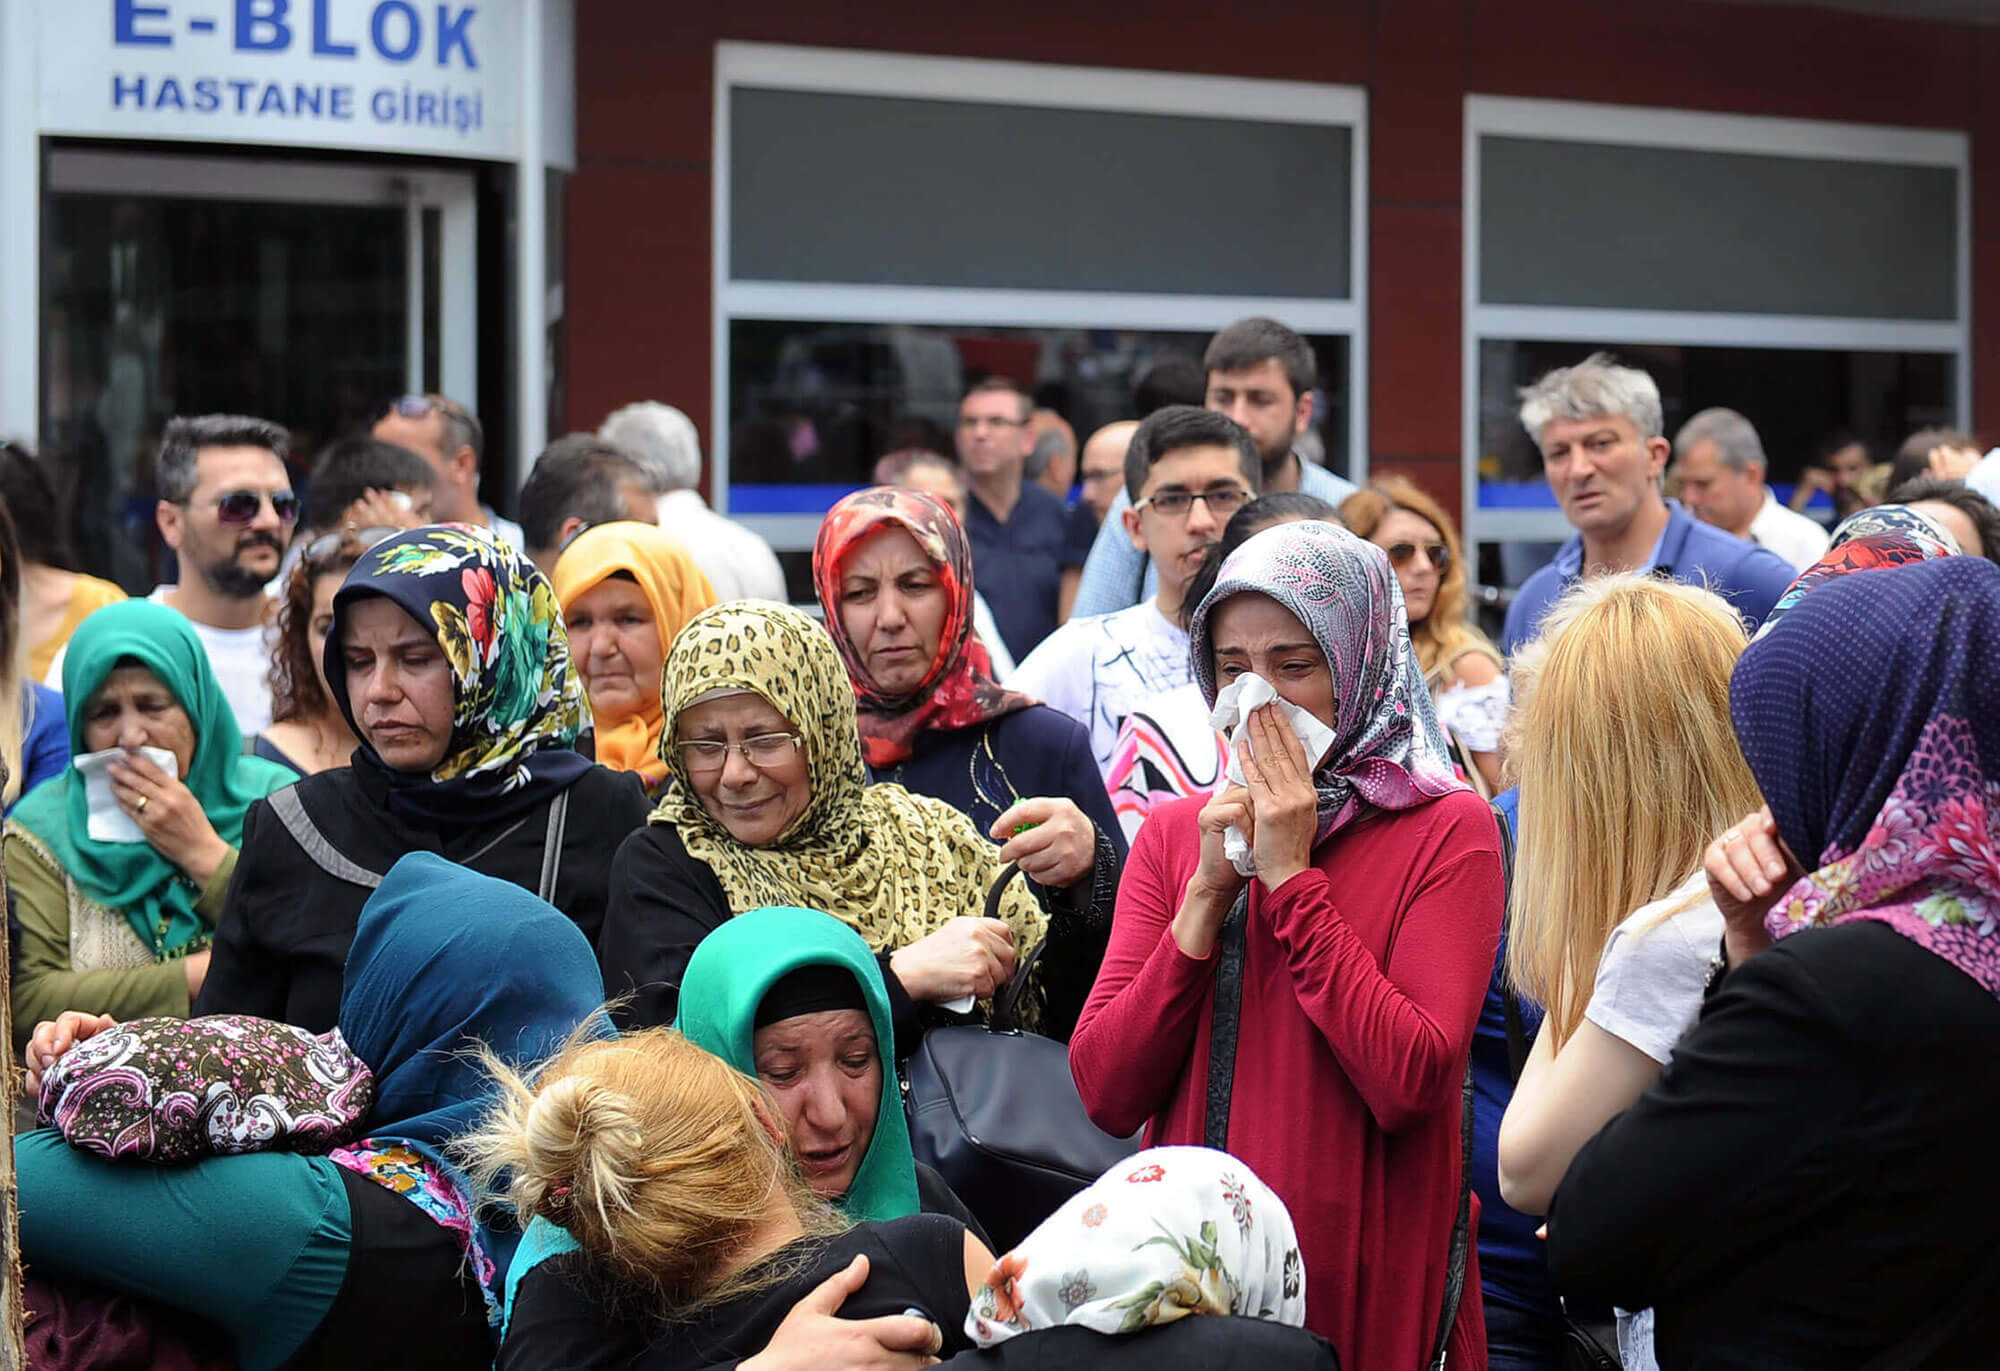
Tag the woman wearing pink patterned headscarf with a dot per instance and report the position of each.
(1347, 966)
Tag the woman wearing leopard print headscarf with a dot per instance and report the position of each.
(769, 803)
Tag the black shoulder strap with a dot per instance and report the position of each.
(1458, 1254)
(1223, 1023)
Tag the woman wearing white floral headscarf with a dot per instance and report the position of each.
(1365, 946)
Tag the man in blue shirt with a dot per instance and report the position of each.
(1261, 374)
(1015, 527)
(1603, 444)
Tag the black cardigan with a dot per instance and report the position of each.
(281, 943)
(1806, 1185)
(664, 902)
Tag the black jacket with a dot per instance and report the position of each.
(1807, 1183)
(281, 944)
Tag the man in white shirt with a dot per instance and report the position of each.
(662, 440)
(1722, 467)
(226, 509)
(1187, 470)
(448, 436)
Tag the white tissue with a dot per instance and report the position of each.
(109, 823)
(1232, 709)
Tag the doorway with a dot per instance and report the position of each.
(303, 292)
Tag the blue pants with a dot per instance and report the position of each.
(256, 1244)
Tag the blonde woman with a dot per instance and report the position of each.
(1628, 767)
(1461, 667)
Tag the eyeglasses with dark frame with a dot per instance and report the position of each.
(1177, 504)
(705, 756)
(1400, 554)
(242, 506)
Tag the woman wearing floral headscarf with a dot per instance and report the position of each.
(1364, 946)
(770, 804)
(1806, 1186)
(449, 660)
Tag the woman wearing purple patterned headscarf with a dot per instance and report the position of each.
(1342, 979)
(1806, 1186)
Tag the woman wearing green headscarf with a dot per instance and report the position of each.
(795, 999)
(122, 927)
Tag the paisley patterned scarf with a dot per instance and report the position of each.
(1885, 536)
(518, 705)
(959, 690)
(892, 865)
(1388, 750)
(1870, 716)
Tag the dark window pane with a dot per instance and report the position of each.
(875, 190)
(1612, 227)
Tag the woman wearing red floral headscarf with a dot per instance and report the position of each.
(894, 574)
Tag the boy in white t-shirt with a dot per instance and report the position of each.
(1187, 470)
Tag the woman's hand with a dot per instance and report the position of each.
(1279, 778)
(53, 1037)
(1748, 868)
(814, 1338)
(1215, 883)
(967, 956)
(169, 815)
(1059, 849)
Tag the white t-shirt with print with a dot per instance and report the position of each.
(1648, 993)
(1098, 670)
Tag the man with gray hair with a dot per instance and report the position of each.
(1601, 435)
(662, 440)
(1721, 464)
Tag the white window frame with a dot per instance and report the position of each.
(898, 75)
(1576, 122)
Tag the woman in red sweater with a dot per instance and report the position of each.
(1365, 950)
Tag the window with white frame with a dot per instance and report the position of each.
(889, 229)
(1814, 276)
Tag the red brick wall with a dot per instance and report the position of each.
(640, 306)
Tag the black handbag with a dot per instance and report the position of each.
(995, 1111)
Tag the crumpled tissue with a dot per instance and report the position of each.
(109, 823)
(1232, 711)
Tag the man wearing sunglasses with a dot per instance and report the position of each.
(227, 510)
(448, 436)
(1187, 470)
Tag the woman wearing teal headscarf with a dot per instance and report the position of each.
(123, 927)
(794, 998)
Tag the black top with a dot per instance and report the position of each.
(664, 902)
(281, 943)
(1019, 564)
(1079, 535)
(1204, 1344)
(1805, 1186)
(982, 770)
(561, 1322)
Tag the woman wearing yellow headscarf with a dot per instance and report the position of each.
(769, 803)
(626, 589)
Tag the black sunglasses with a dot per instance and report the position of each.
(241, 506)
(1400, 554)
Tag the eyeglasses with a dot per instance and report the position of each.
(1400, 554)
(241, 506)
(1093, 478)
(419, 407)
(705, 756)
(327, 544)
(1175, 504)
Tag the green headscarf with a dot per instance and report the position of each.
(727, 978)
(153, 893)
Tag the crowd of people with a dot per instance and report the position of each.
(440, 941)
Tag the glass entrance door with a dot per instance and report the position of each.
(307, 293)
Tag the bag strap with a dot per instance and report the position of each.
(1008, 1001)
(552, 844)
(1457, 1255)
(1510, 999)
(1224, 1021)
(291, 812)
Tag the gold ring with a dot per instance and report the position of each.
(141, 806)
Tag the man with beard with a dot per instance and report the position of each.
(1261, 374)
(1186, 471)
(226, 509)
